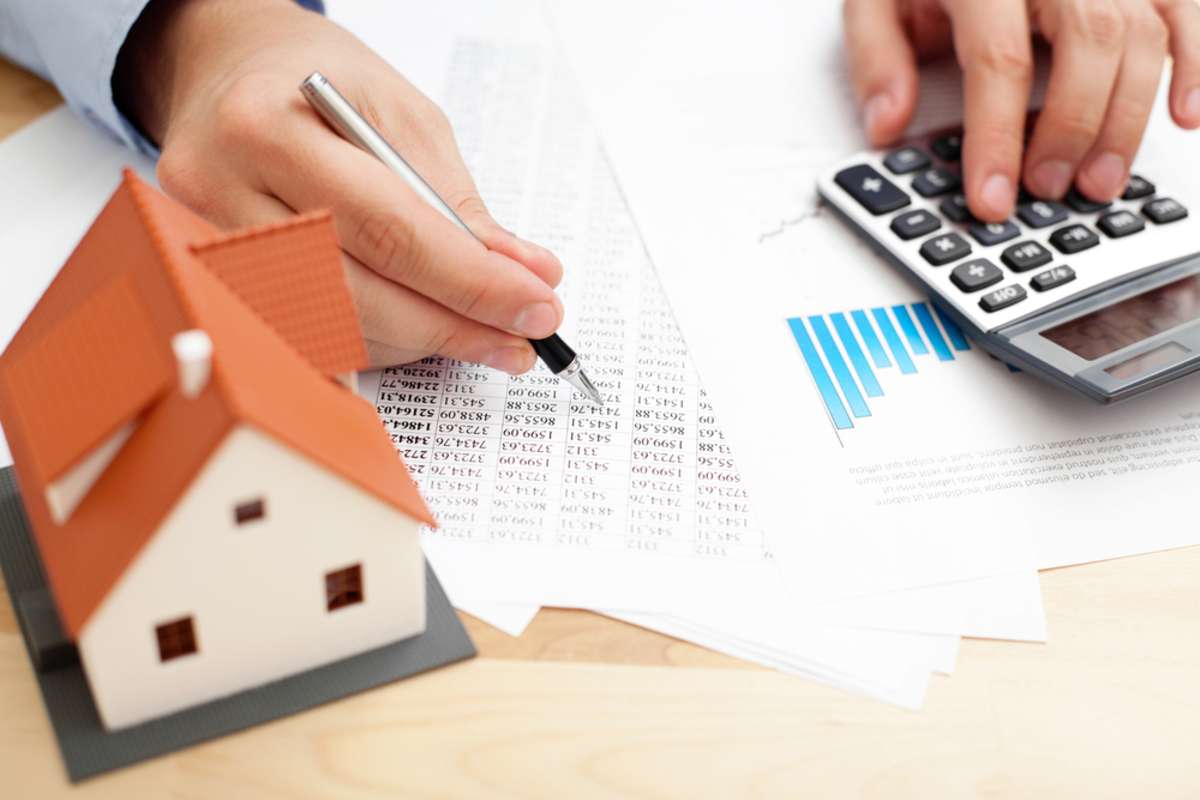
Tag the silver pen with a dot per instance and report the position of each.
(337, 111)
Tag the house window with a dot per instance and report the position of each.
(343, 587)
(249, 511)
(176, 638)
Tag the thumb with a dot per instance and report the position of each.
(882, 66)
(472, 211)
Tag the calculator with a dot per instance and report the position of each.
(1102, 298)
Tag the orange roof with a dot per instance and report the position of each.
(290, 273)
(137, 261)
(88, 377)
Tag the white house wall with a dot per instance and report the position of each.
(256, 592)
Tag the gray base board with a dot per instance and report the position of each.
(88, 750)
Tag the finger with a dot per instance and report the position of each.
(384, 224)
(399, 325)
(422, 132)
(406, 326)
(1088, 42)
(1183, 20)
(1105, 169)
(992, 41)
(882, 67)
(471, 210)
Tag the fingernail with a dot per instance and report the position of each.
(997, 194)
(536, 319)
(1107, 174)
(874, 111)
(1051, 178)
(513, 360)
(1191, 105)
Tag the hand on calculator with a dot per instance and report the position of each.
(1108, 56)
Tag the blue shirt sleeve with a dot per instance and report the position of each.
(74, 44)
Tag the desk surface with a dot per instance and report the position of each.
(585, 706)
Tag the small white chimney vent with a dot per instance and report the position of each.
(193, 354)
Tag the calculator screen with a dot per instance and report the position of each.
(1129, 321)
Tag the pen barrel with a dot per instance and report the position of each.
(552, 350)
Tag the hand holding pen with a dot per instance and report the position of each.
(214, 84)
(343, 118)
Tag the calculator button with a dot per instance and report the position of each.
(1074, 238)
(936, 181)
(1082, 204)
(1040, 213)
(976, 274)
(1120, 223)
(1164, 210)
(873, 191)
(945, 248)
(1052, 278)
(911, 224)
(948, 147)
(990, 233)
(955, 209)
(1137, 188)
(1024, 256)
(1002, 298)
(906, 160)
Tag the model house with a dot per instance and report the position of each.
(213, 507)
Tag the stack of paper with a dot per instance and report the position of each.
(639, 509)
(740, 132)
(723, 504)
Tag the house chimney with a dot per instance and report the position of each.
(193, 354)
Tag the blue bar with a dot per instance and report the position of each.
(910, 330)
(894, 344)
(925, 317)
(854, 398)
(878, 354)
(857, 360)
(837, 411)
(952, 330)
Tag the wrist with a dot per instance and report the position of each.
(173, 46)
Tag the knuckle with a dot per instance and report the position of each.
(439, 337)
(996, 138)
(469, 299)
(182, 176)
(1100, 22)
(174, 170)
(240, 115)
(388, 243)
(1009, 58)
(469, 205)
(1074, 125)
(422, 116)
(429, 115)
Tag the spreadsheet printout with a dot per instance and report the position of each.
(521, 466)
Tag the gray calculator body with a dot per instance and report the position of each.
(1104, 300)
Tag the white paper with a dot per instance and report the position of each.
(966, 445)
(455, 424)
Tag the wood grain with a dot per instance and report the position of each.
(581, 706)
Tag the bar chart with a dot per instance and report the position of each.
(847, 352)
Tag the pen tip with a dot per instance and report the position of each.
(588, 388)
(577, 378)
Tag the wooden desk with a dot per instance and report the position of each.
(583, 706)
